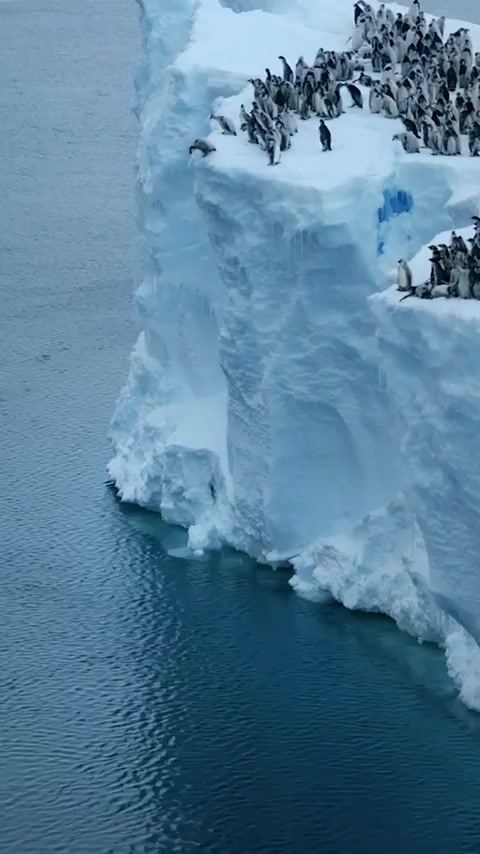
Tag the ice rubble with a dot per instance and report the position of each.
(256, 410)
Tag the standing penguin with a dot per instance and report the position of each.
(404, 276)
(452, 78)
(463, 282)
(355, 95)
(287, 71)
(300, 69)
(325, 136)
(357, 12)
(283, 135)
(389, 105)
(409, 142)
(375, 98)
(474, 140)
(414, 10)
(272, 146)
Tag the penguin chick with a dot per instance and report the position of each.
(355, 94)
(202, 145)
(272, 147)
(226, 124)
(287, 70)
(404, 276)
(409, 142)
(325, 136)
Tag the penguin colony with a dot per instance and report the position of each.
(454, 272)
(431, 84)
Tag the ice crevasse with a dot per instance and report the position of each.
(279, 398)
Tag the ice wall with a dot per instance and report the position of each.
(429, 351)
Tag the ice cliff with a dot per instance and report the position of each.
(276, 401)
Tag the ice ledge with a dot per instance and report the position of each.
(429, 351)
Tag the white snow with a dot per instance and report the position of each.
(256, 411)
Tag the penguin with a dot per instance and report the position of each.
(459, 244)
(228, 127)
(270, 107)
(300, 69)
(244, 118)
(202, 145)
(357, 12)
(411, 126)
(289, 121)
(262, 120)
(420, 291)
(463, 282)
(254, 131)
(451, 140)
(442, 291)
(439, 275)
(272, 148)
(390, 17)
(280, 98)
(389, 106)
(359, 34)
(452, 78)
(474, 140)
(380, 15)
(375, 99)
(355, 94)
(475, 250)
(365, 80)
(325, 136)
(318, 103)
(404, 276)
(283, 135)
(409, 142)
(462, 74)
(287, 70)
(304, 107)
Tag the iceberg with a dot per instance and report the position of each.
(270, 403)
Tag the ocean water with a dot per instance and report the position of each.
(150, 704)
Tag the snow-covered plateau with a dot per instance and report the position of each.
(280, 399)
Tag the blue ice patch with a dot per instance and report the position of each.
(395, 202)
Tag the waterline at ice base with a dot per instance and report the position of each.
(280, 398)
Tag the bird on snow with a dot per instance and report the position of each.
(226, 124)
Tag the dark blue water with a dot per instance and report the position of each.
(148, 704)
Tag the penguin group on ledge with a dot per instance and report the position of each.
(454, 272)
(431, 84)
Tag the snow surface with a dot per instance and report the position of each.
(260, 409)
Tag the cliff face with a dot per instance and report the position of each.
(272, 404)
(428, 350)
